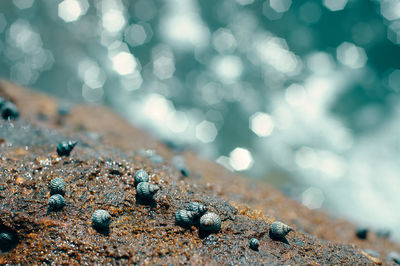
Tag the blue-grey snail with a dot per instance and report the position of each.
(198, 209)
(279, 230)
(141, 176)
(184, 218)
(101, 219)
(146, 190)
(210, 222)
(56, 202)
(57, 186)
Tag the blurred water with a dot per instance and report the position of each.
(303, 94)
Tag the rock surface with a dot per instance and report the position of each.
(99, 175)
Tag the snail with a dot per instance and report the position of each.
(279, 230)
(184, 218)
(146, 190)
(361, 232)
(57, 186)
(9, 111)
(254, 243)
(7, 241)
(210, 222)
(197, 208)
(6, 238)
(101, 219)
(141, 176)
(64, 148)
(56, 202)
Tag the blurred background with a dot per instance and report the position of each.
(302, 94)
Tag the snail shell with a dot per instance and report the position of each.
(184, 217)
(141, 176)
(56, 202)
(57, 186)
(197, 208)
(146, 190)
(279, 230)
(101, 219)
(9, 111)
(64, 148)
(210, 222)
(254, 243)
(6, 238)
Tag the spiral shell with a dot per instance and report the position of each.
(141, 176)
(9, 111)
(197, 208)
(56, 202)
(279, 230)
(184, 217)
(57, 186)
(210, 222)
(101, 219)
(254, 243)
(6, 238)
(146, 190)
(64, 148)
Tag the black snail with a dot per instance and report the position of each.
(56, 202)
(7, 239)
(64, 148)
(254, 243)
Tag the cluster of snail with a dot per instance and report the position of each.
(195, 213)
(277, 231)
(57, 192)
(198, 214)
(57, 185)
(144, 189)
(101, 219)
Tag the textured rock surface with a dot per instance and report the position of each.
(99, 175)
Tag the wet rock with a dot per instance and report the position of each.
(141, 234)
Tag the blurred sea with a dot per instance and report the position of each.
(302, 94)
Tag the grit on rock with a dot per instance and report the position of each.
(100, 193)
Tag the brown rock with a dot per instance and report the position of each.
(99, 175)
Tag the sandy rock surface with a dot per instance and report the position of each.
(99, 174)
